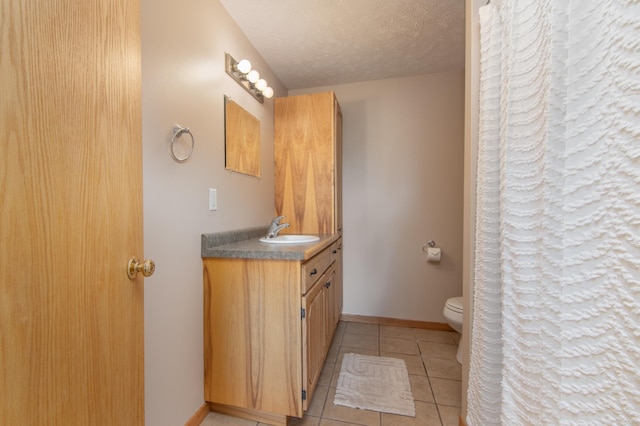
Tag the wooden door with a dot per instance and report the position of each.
(304, 152)
(330, 290)
(314, 329)
(338, 282)
(71, 322)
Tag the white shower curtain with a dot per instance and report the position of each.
(555, 333)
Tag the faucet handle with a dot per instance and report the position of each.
(277, 220)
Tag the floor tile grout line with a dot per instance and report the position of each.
(324, 402)
(433, 395)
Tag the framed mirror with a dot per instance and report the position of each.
(242, 139)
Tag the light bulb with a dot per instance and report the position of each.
(267, 93)
(244, 66)
(261, 84)
(253, 76)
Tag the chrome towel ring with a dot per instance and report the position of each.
(181, 151)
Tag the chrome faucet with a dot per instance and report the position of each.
(276, 227)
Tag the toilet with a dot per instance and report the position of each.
(453, 313)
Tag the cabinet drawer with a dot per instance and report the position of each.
(313, 268)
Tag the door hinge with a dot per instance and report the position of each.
(304, 395)
(303, 313)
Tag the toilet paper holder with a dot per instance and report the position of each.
(432, 252)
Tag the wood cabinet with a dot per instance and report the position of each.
(308, 162)
(268, 326)
(308, 191)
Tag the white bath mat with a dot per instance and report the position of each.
(375, 383)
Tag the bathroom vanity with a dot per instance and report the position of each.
(270, 312)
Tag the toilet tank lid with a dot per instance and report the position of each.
(455, 304)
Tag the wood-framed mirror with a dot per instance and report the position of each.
(242, 139)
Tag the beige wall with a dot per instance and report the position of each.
(403, 185)
(183, 46)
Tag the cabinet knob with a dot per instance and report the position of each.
(315, 271)
(335, 251)
(327, 284)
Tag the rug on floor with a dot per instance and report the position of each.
(375, 383)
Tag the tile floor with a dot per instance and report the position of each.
(434, 373)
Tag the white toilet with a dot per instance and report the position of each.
(453, 313)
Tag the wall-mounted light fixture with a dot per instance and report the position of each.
(248, 78)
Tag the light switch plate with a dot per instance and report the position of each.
(213, 199)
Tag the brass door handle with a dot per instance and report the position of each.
(134, 266)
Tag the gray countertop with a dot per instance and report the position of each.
(245, 244)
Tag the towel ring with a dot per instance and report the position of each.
(178, 131)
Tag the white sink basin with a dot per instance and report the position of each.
(290, 239)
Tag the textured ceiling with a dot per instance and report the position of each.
(311, 43)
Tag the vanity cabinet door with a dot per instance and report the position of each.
(314, 340)
(338, 283)
(330, 290)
